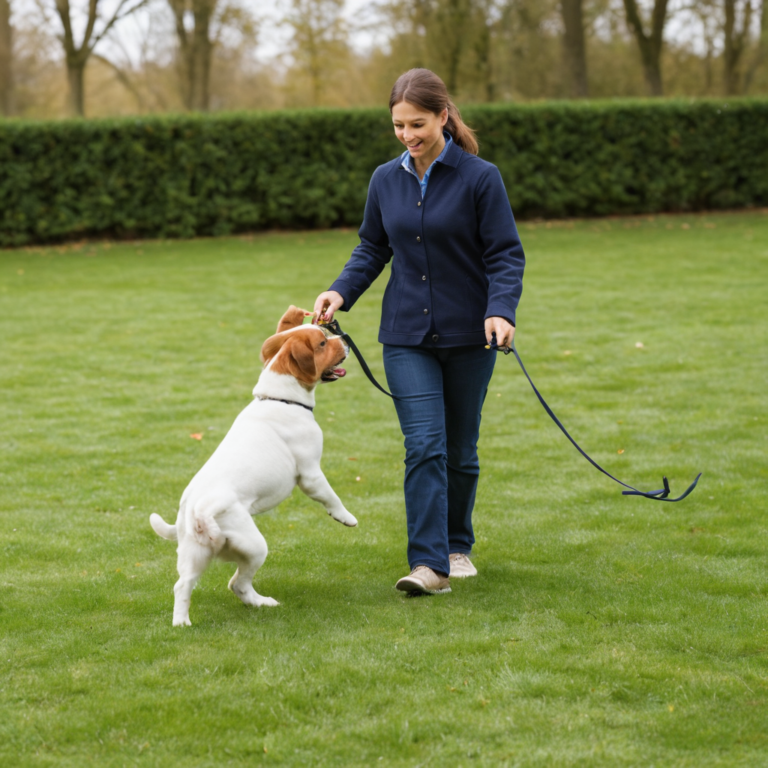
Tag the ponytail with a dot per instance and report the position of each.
(460, 132)
(425, 90)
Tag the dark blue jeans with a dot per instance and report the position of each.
(440, 395)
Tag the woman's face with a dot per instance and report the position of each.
(421, 131)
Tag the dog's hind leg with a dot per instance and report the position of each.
(248, 548)
(193, 559)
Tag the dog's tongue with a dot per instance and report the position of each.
(333, 374)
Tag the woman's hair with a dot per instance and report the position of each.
(424, 89)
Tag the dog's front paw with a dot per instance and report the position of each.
(346, 518)
(181, 621)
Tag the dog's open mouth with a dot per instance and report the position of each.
(332, 374)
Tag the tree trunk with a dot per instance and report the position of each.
(76, 56)
(483, 52)
(195, 52)
(649, 43)
(76, 80)
(574, 51)
(203, 49)
(456, 19)
(6, 59)
(734, 43)
(762, 48)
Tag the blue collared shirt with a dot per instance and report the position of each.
(407, 162)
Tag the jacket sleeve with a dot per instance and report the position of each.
(369, 258)
(502, 251)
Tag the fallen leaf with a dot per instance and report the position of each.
(351, 458)
(196, 436)
(639, 344)
(621, 450)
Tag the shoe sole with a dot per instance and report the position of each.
(462, 575)
(412, 588)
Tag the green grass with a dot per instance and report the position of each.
(601, 631)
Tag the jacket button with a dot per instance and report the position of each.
(426, 311)
(418, 239)
(423, 277)
(419, 203)
(435, 337)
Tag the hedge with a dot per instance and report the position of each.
(180, 176)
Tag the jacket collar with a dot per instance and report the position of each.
(453, 155)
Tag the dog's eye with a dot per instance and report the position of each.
(322, 343)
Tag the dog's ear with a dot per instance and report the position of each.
(301, 358)
(293, 316)
(271, 347)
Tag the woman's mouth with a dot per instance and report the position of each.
(412, 147)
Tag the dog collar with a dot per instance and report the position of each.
(287, 402)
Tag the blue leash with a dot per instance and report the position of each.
(660, 495)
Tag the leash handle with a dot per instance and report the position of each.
(660, 495)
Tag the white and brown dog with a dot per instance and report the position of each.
(274, 444)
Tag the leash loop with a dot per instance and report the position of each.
(660, 495)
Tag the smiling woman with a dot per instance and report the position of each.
(457, 276)
(421, 101)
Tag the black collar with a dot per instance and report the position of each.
(288, 402)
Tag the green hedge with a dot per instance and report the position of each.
(180, 176)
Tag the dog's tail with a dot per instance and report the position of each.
(162, 528)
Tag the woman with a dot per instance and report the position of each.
(443, 216)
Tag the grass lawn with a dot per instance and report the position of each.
(601, 631)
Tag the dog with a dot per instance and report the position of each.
(273, 445)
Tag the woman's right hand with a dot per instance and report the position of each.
(326, 304)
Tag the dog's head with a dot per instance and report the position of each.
(305, 352)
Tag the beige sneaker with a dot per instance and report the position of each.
(423, 580)
(461, 566)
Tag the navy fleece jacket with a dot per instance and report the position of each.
(456, 255)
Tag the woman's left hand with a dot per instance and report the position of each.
(504, 330)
